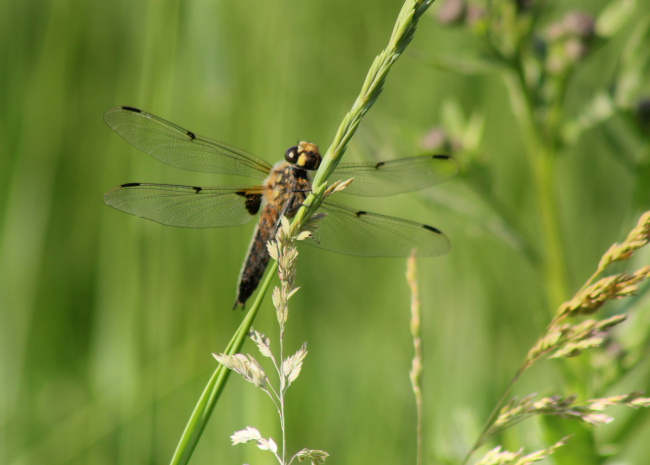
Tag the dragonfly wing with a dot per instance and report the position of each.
(186, 206)
(355, 232)
(181, 148)
(397, 176)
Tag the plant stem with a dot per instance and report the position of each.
(540, 149)
(416, 365)
(553, 261)
(540, 140)
(401, 36)
(483, 437)
(208, 400)
(283, 389)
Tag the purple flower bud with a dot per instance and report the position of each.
(451, 12)
(434, 140)
(579, 24)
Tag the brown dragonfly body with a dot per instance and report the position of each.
(284, 192)
(284, 189)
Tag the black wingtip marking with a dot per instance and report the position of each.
(441, 157)
(432, 229)
(191, 135)
(134, 110)
(197, 189)
(131, 184)
(380, 164)
(361, 213)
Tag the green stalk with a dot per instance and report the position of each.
(555, 277)
(401, 36)
(541, 156)
(208, 400)
(540, 142)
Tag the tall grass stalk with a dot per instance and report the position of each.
(416, 365)
(542, 153)
(212, 391)
(402, 34)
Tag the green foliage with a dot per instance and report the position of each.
(108, 321)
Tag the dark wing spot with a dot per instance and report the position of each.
(432, 229)
(253, 201)
(191, 135)
(441, 157)
(360, 213)
(134, 110)
(197, 189)
(131, 184)
(380, 164)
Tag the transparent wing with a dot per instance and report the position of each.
(397, 176)
(186, 206)
(181, 148)
(355, 232)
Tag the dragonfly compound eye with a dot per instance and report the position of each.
(291, 155)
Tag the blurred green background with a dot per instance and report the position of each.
(108, 321)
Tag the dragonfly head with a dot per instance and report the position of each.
(305, 155)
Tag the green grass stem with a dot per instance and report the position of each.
(402, 35)
(212, 391)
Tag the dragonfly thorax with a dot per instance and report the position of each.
(305, 155)
(286, 188)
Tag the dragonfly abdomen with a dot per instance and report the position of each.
(284, 193)
(257, 256)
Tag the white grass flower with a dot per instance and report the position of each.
(246, 366)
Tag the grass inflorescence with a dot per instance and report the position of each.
(538, 53)
(284, 252)
(568, 336)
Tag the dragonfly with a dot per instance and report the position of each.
(283, 191)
